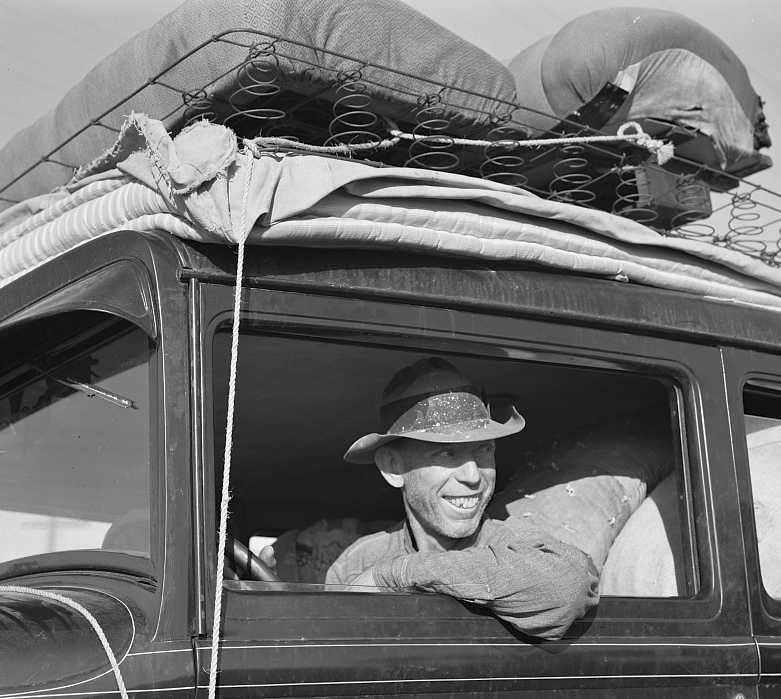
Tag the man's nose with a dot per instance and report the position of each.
(468, 472)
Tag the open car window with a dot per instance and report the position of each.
(599, 463)
(74, 438)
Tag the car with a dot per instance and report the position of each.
(199, 322)
(114, 387)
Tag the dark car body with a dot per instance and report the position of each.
(719, 638)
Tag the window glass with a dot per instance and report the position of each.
(74, 439)
(595, 444)
(762, 407)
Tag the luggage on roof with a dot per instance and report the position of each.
(674, 69)
(345, 73)
(194, 62)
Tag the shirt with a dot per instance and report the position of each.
(534, 582)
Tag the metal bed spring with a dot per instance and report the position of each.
(325, 105)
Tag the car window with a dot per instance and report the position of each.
(762, 407)
(599, 463)
(74, 437)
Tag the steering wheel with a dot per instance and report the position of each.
(246, 564)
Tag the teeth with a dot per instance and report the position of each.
(465, 502)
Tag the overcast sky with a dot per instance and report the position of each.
(46, 46)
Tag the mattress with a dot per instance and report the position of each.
(225, 53)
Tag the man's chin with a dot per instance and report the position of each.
(462, 528)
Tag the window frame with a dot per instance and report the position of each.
(460, 331)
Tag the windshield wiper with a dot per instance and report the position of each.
(90, 390)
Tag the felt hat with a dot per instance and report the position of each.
(432, 401)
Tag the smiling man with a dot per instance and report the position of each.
(437, 448)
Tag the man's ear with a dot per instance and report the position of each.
(391, 465)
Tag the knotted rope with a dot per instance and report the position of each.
(630, 131)
(663, 151)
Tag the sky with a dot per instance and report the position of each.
(46, 46)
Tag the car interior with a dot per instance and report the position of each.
(596, 442)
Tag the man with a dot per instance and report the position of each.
(437, 448)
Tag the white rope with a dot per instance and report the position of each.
(225, 493)
(663, 151)
(255, 145)
(20, 589)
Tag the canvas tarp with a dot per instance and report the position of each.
(204, 186)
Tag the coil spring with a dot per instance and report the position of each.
(433, 147)
(353, 119)
(695, 230)
(690, 194)
(772, 254)
(258, 81)
(570, 178)
(630, 201)
(743, 226)
(499, 163)
(197, 105)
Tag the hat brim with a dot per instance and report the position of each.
(362, 450)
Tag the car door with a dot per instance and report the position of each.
(754, 383)
(309, 363)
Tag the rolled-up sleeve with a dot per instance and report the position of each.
(534, 582)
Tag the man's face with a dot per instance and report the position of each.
(447, 486)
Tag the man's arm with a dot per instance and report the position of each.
(536, 583)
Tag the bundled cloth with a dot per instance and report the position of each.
(674, 69)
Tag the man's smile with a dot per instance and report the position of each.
(463, 502)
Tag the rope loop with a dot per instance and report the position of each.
(663, 151)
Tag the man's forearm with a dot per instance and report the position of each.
(537, 584)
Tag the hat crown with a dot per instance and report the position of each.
(429, 392)
(424, 377)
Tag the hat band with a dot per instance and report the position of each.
(437, 412)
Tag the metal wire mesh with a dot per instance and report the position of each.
(272, 86)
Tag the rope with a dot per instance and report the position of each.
(661, 150)
(256, 145)
(227, 456)
(87, 615)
